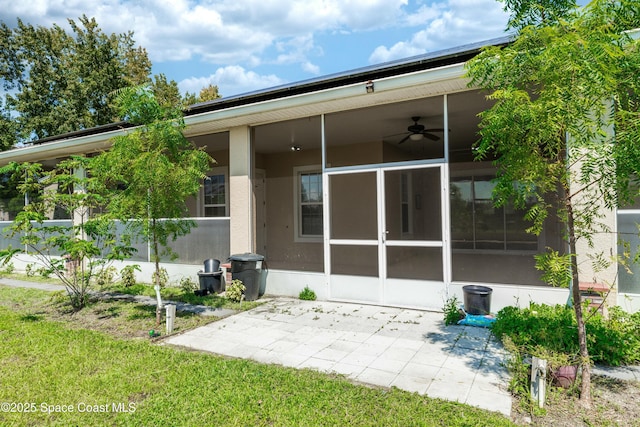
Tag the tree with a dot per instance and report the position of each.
(537, 12)
(208, 93)
(165, 92)
(558, 92)
(150, 171)
(61, 82)
(74, 253)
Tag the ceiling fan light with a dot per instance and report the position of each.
(416, 136)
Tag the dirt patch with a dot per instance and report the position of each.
(122, 319)
(615, 403)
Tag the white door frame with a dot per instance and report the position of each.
(361, 288)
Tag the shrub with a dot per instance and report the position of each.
(128, 275)
(542, 329)
(307, 294)
(235, 291)
(8, 268)
(163, 279)
(30, 270)
(552, 327)
(451, 311)
(188, 285)
(105, 276)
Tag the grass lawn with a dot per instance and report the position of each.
(69, 375)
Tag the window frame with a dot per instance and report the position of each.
(298, 171)
(484, 172)
(223, 170)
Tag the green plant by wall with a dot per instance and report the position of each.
(128, 275)
(188, 285)
(235, 291)
(30, 270)
(307, 294)
(542, 329)
(161, 277)
(105, 276)
(8, 268)
(451, 311)
(75, 251)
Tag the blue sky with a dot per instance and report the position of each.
(246, 45)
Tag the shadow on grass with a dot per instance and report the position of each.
(109, 313)
(31, 317)
(142, 312)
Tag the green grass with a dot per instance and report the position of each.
(172, 293)
(47, 362)
(177, 294)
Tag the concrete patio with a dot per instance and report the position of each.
(390, 347)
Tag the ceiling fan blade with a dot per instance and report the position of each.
(396, 134)
(430, 136)
(434, 130)
(404, 139)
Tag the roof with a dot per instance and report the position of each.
(422, 62)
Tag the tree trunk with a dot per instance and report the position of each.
(156, 258)
(585, 362)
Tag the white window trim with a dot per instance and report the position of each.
(297, 236)
(222, 170)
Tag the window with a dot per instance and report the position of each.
(215, 194)
(308, 203)
(477, 224)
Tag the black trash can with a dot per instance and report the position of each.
(477, 299)
(248, 269)
(210, 283)
(210, 278)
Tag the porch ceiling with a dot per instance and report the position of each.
(391, 90)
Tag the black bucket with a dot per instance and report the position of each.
(477, 299)
(210, 283)
(211, 265)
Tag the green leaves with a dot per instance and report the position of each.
(556, 268)
(151, 171)
(62, 81)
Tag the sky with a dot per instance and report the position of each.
(247, 45)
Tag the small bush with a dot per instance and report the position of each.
(128, 275)
(307, 294)
(235, 291)
(7, 268)
(162, 276)
(188, 285)
(105, 276)
(452, 312)
(30, 270)
(543, 328)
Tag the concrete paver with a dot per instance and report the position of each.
(383, 346)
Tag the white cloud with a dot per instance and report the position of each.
(230, 80)
(398, 50)
(238, 35)
(310, 68)
(447, 24)
(220, 32)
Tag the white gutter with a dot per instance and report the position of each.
(59, 149)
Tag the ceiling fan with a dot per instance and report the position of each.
(416, 132)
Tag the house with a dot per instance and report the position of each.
(362, 186)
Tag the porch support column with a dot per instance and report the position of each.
(240, 189)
